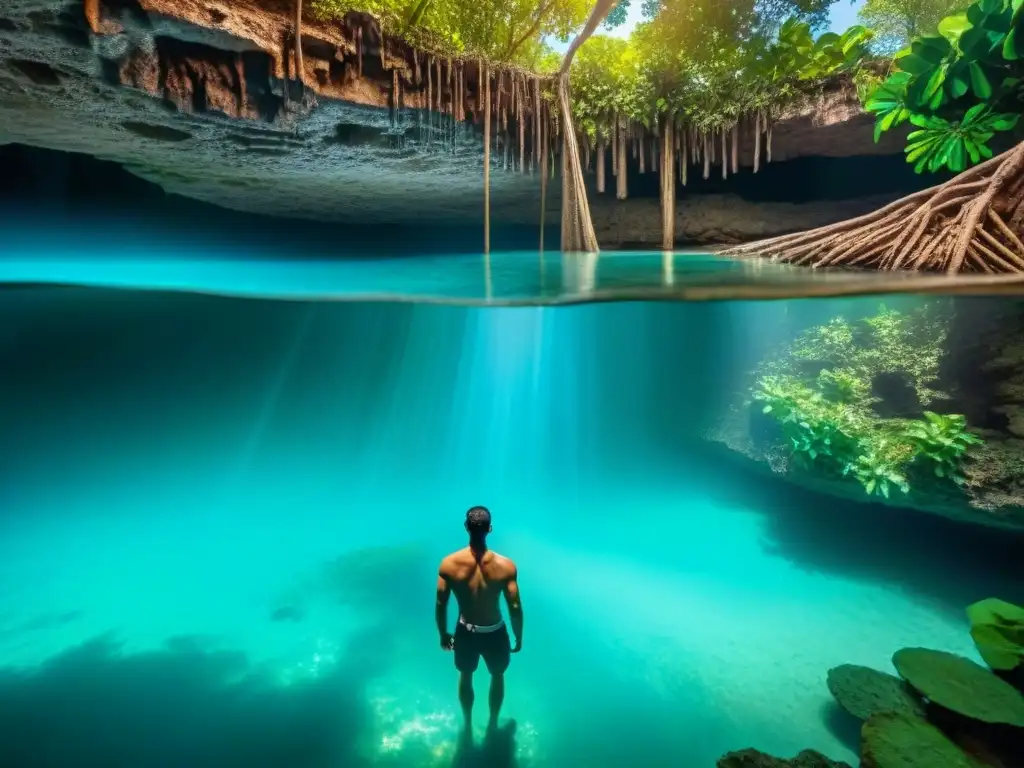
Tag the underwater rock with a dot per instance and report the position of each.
(961, 686)
(751, 758)
(863, 692)
(899, 740)
(285, 613)
(997, 628)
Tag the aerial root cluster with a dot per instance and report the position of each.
(972, 223)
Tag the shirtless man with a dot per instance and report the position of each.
(478, 577)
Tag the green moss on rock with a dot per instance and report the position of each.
(751, 758)
(899, 740)
(863, 692)
(997, 628)
(961, 686)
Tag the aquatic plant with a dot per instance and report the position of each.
(877, 472)
(827, 421)
(943, 440)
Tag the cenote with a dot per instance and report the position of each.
(258, 360)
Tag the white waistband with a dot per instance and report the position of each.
(480, 627)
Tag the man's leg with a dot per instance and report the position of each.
(497, 696)
(497, 657)
(466, 696)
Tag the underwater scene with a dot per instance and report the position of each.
(223, 519)
(511, 384)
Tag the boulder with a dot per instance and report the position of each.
(863, 692)
(899, 740)
(961, 686)
(751, 758)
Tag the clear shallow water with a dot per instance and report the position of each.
(220, 522)
(506, 278)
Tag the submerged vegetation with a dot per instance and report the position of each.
(822, 394)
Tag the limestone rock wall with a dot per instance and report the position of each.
(197, 96)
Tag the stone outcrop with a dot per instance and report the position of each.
(961, 686)
(751, 758)
(863, 692)
(198, 97)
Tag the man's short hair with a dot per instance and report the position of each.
(478, 519)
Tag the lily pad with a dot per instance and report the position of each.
(899, 740)
(961, 686)
(997, 628)
(863, 692)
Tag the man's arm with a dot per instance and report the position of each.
(515, 607)
(444, 591)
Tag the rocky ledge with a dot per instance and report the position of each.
(197, 96)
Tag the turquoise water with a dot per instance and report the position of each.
(221, 518)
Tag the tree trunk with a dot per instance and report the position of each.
(486, 84)
(578, 230)
(725, 157)
(600, 165)
(757, 142)
(543, 139)
(668, 187)
(735, 149)
(974, 222)
(615, 147)
(621, 187)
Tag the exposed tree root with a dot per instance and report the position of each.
(577, 226)
(971, 223)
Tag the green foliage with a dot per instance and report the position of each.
(897, 22)
(798, 52)
(958, 86)
(827, 420)
(943, 440)
(708, 75)
(877, 473)
(941, 143)
(508, 31)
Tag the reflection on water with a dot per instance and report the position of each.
(507, 278)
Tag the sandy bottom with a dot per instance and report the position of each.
(661, 650)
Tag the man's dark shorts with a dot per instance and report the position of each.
(495, 648)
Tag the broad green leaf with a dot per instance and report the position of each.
(979, 82)
(978, 110)
(958, 86)
(915, 64)
(932, 48)
(952, 27)
(1004, 122)
(1010, 46)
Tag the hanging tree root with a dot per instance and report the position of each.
(973, 222)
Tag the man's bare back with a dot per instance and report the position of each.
(478, 584)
